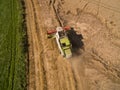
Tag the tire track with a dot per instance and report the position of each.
(39, 40)
(57, 16)
(109, 7)
(13, 49)
(36, 81)
(31, 77)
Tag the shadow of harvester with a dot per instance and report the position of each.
(76, 41)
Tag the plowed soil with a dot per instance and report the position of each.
(96, 67)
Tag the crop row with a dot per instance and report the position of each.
(12, 55)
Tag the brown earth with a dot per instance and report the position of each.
(97, 67)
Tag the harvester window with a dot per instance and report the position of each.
(61, 33)
(63, 44)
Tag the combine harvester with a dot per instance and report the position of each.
(65, 38)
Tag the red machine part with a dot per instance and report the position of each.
(54, 31)
(66, 28)
(51, 31)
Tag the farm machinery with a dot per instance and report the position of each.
(66, 39)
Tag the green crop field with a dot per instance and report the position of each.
(12, 53)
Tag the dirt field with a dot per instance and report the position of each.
(97, 67)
